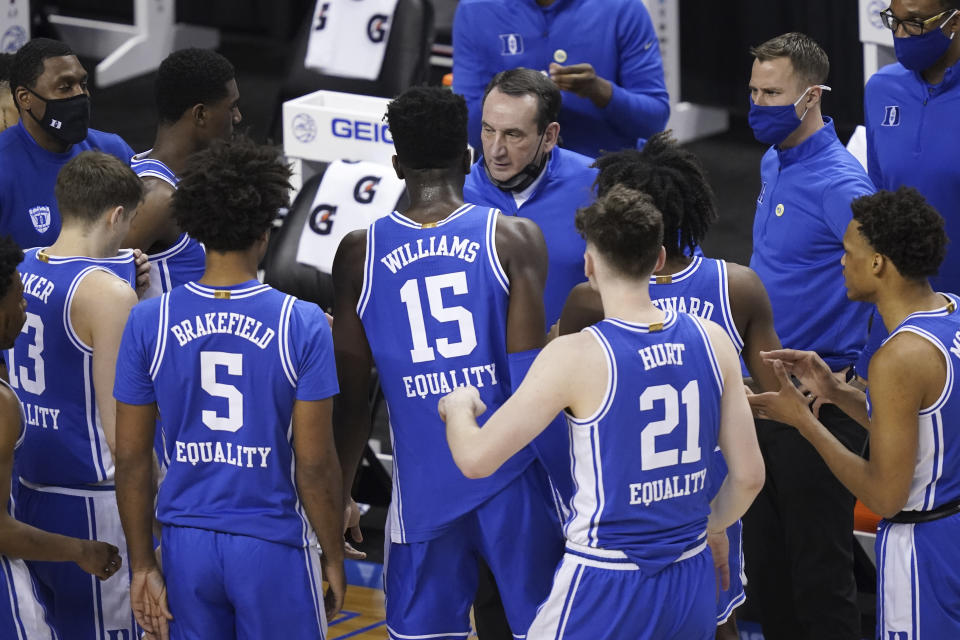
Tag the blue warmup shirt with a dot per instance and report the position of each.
(913, 139)
(434, 308)
(225, 367)
(615, 36)
(651, 506)
(802, 213)
(567, 186)
(28, 173)
(185, 260)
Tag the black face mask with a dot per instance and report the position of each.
(527, 175)
(66, 119)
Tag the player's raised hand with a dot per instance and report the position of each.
(816, 379)
(148, 599)
(461, 399)
(788, 405)
(99, 558)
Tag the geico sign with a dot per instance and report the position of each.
(361, 130)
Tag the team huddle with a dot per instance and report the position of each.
(179, 441)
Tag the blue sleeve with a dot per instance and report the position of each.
(873, 165)
(132, 384)
(640, 106)
(312, 346)
(838, 196)
(471, 73)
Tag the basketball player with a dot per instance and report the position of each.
(62, 368)
(729, 294)
(636, 542)
(243, 376)
(21, 614)
(197, 98)
(894, 243)
(438, 296)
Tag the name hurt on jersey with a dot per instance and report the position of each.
(464, 249)
(646, 493)
(441, 383)
(216, 452)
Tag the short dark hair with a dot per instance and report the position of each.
(189, 77)
(6, 61)
(521, 82)
(92, 182)
(27, 63)
(808, 59)
(230, 193)
(626, 227)
(674, 178)
(10, 257)
(429, 127)
(904, 227)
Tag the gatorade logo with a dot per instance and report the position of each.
(377, 28)
(366, 189)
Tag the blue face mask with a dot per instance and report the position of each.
(922, 52)
(773, 125)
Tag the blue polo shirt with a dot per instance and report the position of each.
(566, 187)
(615, 36)
(28, 174)
(802, 213)
(913, 139)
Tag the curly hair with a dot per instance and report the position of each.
(904, 227)
(10, 257)
(429, 127)
(230, 193)
(674, 178)
(626, 227)
(27, 64)
(189, 77)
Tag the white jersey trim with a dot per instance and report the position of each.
(401, 219)
(235, 294)
(283, 341)
(500, 275)
(161, 346)
(611, 389)
(711, 354)
(725, 307)
(367, 287)
(935, 341)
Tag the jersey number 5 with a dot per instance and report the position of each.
(650, 458)
(410, 296)
(209, 362)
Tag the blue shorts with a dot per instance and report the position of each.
(430, 585)
(22, 617)
(600, 599)
(80, 606)
(918, 580)
(735, 596)
(225, 587)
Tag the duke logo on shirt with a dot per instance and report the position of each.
(40, 217)
(511, 44)
(891, 116)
